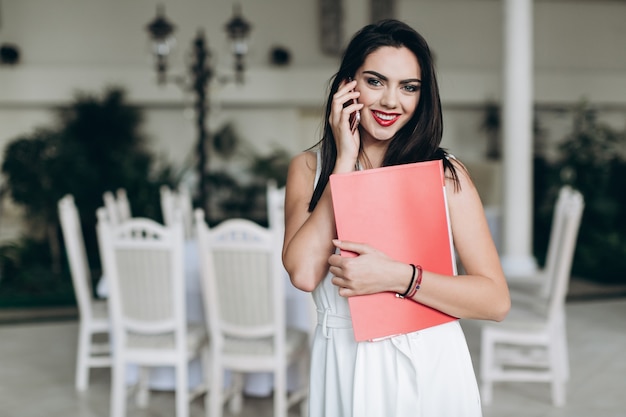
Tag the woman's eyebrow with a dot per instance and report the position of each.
(382, 77)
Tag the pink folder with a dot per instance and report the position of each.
(402, 211)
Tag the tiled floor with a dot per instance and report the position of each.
(597, 347)
(37, 371)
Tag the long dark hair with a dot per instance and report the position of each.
(416, 141)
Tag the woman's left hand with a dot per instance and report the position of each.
(370, 271)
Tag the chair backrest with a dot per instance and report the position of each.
(243, 287)
(123, 205)
(559, 216)
(167, 204)
(275, 205)
(145, 270)
(102, 214)
(177, 200)
(117, 206)
(185, 206)
(110, 205)
(76, 253)
(572, 210)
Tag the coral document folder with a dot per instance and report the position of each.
(402, 211)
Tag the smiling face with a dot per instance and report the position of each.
(390, 84)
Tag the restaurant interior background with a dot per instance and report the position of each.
(59, 55)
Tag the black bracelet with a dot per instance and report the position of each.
(418, 282)
(410, 284)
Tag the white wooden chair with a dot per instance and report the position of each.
(123, 205)
(93, 313)
(531, 343)
(179, 199)
(244, 297)
(537, 286)
(275, 205)
(145, 271)
(117, 206)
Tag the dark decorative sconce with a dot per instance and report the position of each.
(9, 54)
(238, 30)
(161, 31)
(201, 73)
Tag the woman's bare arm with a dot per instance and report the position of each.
(482, 293)
(308, 236)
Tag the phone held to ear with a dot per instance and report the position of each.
(355, 118)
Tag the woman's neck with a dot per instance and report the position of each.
(373, 154)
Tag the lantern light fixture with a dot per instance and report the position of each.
(201, 74)
(238, 30)
(161, 33)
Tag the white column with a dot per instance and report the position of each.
(517, 115)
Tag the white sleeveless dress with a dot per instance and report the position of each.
(427, 373)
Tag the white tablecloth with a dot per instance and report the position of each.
(299, 314)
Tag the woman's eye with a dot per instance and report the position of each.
(412, 88)
(373, 81)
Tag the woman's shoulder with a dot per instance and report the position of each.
(303, 164)
(302, 175)
(305, 160)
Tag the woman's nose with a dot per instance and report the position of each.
(388, 98)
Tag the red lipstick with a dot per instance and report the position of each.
(388, 120)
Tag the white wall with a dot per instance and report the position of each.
(87, 44)
(571, 35)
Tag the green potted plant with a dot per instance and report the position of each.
(593, 161)
(95, 146)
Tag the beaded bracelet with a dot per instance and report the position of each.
(410, 283)
(418, 282)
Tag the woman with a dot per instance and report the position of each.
(387, 75)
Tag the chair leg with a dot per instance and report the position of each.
(280, 392)
(142, 398)
(303, 372)
(558, 393)
(118, 389)
(215, 406)
(82, 358)
(182, 390)
(235, 394)
(487, 352)
(564, 357)
(557, 351)
(206, 374)
(205, 360)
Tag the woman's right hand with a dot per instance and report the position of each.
(347, 141)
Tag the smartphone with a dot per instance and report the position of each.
(355, 118)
